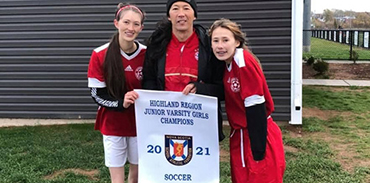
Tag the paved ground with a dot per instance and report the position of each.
(348, 62)
(328, 82)
(345, 61)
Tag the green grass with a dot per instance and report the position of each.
(353, 99)
(315, 161)
(316, 165)
(355, 126)
(329, 50)
(28, 154)
(225, 172)
(312, 124)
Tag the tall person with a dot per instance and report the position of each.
(256, 146)
(179, 56)
(114, 71)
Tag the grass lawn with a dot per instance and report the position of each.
(45, 153)
(332, 146)
(329, 50)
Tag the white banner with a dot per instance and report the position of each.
(356, 38)
(366, 39)
(177, 137)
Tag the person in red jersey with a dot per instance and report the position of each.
(256, 146)
(179, 56)
(115, 69)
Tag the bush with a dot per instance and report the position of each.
(354, 56)
(320, 66)
(310, 61)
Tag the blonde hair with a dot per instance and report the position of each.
(235, 29)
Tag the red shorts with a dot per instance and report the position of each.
(269, 170)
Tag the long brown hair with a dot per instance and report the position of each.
(114, 74)
(235, 29)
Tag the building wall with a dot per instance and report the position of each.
(45, 48)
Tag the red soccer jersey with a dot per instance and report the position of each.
(181, 63)
(111, 122)
(245, 85)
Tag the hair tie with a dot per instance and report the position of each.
(129, 6)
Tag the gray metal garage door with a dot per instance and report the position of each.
(45, 48)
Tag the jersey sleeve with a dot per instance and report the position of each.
(252, 81)
(95, 72)
(102, 98)
(252, 91)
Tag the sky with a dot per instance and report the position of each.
(318, 6)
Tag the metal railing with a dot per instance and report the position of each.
(358, 38)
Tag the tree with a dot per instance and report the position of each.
(328, 15)
(339, 13)
(335, 24)
(339, 18)
(362, 20)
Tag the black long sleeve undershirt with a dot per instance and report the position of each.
(102, 98)
(257, 129)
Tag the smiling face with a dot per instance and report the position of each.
(129, 25)
(224, 44)
(181, 15)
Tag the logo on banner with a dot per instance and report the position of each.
(178, 149)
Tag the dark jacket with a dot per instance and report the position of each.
(210, 69)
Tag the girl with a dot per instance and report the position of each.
(114, 71)
(256, 146)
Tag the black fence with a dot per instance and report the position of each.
(357, 38)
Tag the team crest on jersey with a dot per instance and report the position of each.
(196, 55)
(178, 149)
(235, 85)
(139, 73)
